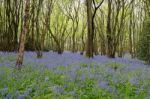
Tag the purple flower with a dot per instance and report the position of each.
(9, 96)
(73, 76)
(83, 76)
(58, 90)
(103, 85)
(21, 96)
(3, 91)
(134, 80)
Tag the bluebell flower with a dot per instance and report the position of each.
(21, 96)
(104, 85)
(58, 90)
(83, 76)
(134, 80)
(9, 96)
(3, 91)
(73, 92)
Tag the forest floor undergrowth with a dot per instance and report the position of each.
(72, 76)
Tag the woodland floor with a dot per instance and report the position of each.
(72, 76)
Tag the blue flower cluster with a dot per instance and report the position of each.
(72, 76)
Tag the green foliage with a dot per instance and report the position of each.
(144, 42)
(1, 59)
(11, 58)
(114, 65)
(43, 83)
(83, 65)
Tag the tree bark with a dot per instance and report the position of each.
(89, 50)
(19, 60)
(39, 42)
(110, 46)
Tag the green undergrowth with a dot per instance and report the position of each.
(74, 82)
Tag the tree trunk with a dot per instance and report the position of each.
(110, 46)
(39, 54)
(39, 49)
(73, 37)
(89, 50)
(23, 36)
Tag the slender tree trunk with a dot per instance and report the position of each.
(110, 46)
(73, 38)
(23, 35)
(89, 50)
(83, 44)
(39, 42)
(33, 24)
(131, 32)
